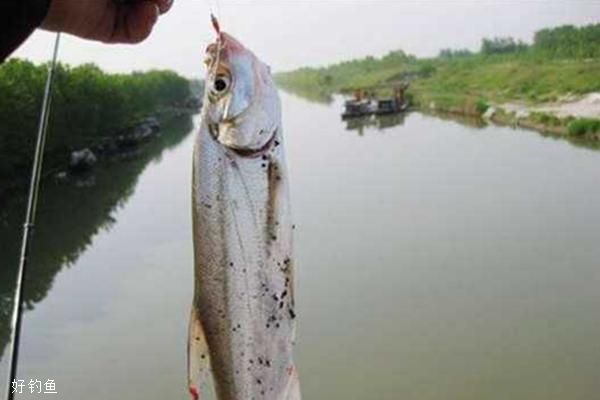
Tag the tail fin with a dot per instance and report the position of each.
(198, 357)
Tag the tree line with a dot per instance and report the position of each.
(87, 104)
(567, 41)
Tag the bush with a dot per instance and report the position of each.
(482, 106)
(87, 104)
(546, 119)
(583, 126)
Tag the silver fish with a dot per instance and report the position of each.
(242, 323)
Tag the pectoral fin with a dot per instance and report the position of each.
(198, 356)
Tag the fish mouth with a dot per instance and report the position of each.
(242, 151)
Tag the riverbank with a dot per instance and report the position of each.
(126, 144)
(93, 113)
(552, 85)
(576, 117)
(561, 97)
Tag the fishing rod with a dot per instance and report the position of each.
(29, 225)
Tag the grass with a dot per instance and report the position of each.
(497, 78)
(464, 86)
(583, 127)
(553, 68)
(509, 78)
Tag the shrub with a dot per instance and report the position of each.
(482, 106)
(583, 126)
(547, 119)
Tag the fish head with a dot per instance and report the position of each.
(242, 106)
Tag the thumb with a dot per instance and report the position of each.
(135, 22)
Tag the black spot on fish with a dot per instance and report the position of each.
(276, 143)
(283, 294)
(259, 381)
(203, 356)
(264, 157)
(263, 165)
(231, 264)
(281, 304)
(292, 313)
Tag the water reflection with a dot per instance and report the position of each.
(71, 212)
(374, 122)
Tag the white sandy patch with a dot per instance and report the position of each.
(587, 106)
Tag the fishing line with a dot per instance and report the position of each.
(34, 186)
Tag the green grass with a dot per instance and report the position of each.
(562, 61)
(583, 126)
(468, 83)
(517, 77)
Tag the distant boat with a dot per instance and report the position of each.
(364, 104)
(390, 106)
(358, 108)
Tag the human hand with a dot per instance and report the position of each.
(109, 21)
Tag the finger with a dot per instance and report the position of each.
(135, 22)
(163, 5)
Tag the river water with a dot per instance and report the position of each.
(436, 260)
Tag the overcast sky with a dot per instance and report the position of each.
(292, 33)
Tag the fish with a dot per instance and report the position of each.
(243, 317)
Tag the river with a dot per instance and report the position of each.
(436, 260)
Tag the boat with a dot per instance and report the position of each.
(365, 104)
(358, 108)
(390, 106)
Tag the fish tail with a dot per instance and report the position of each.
(198, 357)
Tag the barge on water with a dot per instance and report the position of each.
(365, 104)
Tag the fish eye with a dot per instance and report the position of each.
(221, 84)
